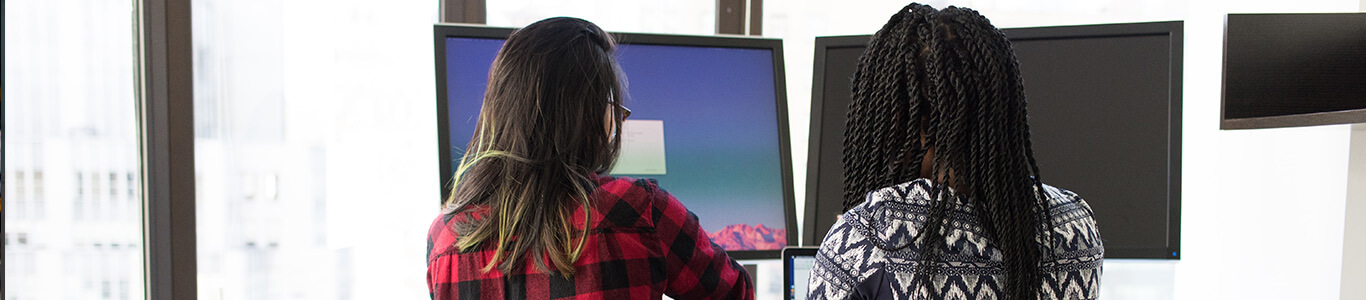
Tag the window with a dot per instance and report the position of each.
(20, 198)
(123, 289)
(248, 187)
(39, 193)
(132, 187)
(96, 187)
(19, 188)
(105, 290)
(69, 109)
(80, 185)
(113, 186)
(313, 143)
(96, 211)
(269, 187)
(38, 184)
(78, 203)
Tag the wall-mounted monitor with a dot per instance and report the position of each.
(1287, 70)
(712, 109)
(1105, 117)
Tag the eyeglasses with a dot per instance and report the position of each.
(624, 112)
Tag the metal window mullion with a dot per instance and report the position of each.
(165, 100)
(464, 11)
(2, 155)
(740, 17)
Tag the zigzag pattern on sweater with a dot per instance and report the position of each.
(870, 253)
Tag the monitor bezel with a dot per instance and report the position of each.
(443, 31)
(1173, 29)
(1278, 120)
(823, 43)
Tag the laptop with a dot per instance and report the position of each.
(797, 264)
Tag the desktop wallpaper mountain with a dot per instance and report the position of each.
(745, 237)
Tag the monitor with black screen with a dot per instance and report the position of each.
(708, 121)
(1105, 118)
(1286, 70)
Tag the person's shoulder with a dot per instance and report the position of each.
(628, 189)
(908, 198)
(1058, 193)
(438, 227)
(891, 217)
(898, 198)
(1076, 241)
(441, 236)
(1070, 213)
(445, 223)
(625, 184)
(625, 201)
(920, 191)
(1060, 198)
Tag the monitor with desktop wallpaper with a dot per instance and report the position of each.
(708, 122)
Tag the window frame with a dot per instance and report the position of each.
(165, 117)
(164, 95)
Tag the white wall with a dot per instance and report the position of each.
(1262, 209)
(1354, 227)
(1354, 267)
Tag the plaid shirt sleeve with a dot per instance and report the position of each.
(644, 243)
(697, 268)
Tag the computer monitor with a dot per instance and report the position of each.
(1105, 118)
(708, 121)
(1285, 70)
(797, 265)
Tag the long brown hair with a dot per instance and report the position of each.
(541, 134)
(952, 76)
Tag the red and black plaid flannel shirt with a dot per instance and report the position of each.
(643, 244)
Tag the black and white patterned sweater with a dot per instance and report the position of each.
(857, 261)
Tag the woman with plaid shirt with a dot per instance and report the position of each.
(532, 215)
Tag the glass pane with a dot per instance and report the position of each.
(315, 148)
(73, 223)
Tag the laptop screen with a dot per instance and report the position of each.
(801, 271)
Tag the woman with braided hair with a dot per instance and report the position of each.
(942, 193)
